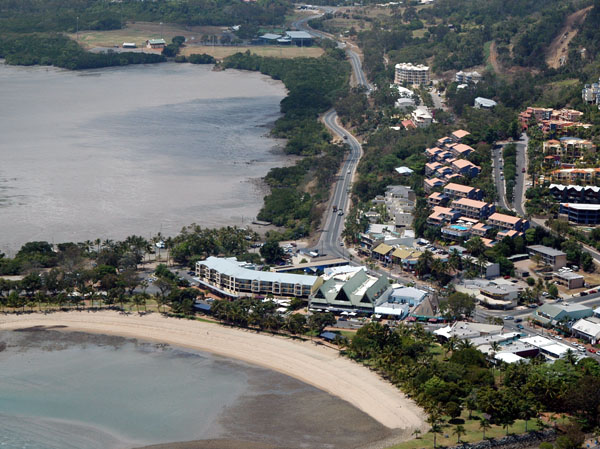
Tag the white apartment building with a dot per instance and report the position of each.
(411, 73)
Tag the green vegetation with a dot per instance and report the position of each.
(68, 15)
(60, 51)
(509, 154)
(463, 379)
(313, 85)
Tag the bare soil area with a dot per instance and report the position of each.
(559, 47)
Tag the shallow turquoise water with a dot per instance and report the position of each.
(61, 394)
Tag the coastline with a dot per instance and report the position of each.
(316, 365)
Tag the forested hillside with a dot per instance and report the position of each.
(23, 16)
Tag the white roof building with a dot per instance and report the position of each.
(404, 170)
(587, 329)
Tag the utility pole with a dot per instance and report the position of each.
(77, 28)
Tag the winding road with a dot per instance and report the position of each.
(330, 238)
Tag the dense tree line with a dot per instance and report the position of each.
(64, 15)
(60, 51)
(464, 379)
(313, 86)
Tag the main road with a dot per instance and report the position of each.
(330, 238)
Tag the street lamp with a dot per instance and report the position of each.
(77, 28)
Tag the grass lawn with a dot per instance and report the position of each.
(275, 51)
(474, 434)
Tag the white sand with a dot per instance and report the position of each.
(314, 364)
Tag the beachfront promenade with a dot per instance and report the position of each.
(316, 365)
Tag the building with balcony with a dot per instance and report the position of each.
(550, 256)
(457, 191)
(591, 94)
(473, 209)
(508, 222)
(437, 199)
(465, 168)
(460, 150)
(567, 149)
(580, 176)
(467, 77)
(411, 73)
(581, 213)
(575, 194)
(442, 215)
(459, 135)
(228, 277)
(433, 183)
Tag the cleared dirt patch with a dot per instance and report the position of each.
(139, 32)
(276, 51)
(559, 47)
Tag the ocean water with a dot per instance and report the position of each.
(63, 391)
(131, 150)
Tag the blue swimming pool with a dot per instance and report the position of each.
(460, 228)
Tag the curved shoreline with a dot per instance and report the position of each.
(319, 366)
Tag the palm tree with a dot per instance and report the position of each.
(459, 431)
(435, 421)
(495, 348)
(570, 357)
(416, 433)
(484, 424)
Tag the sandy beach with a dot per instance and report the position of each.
(316, 365)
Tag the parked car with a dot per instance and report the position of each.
(520, 326)
(508, 317)
(518, 320)
(592, 350)
(583, 294)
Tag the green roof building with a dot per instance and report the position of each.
(350, 291)
(554, 313)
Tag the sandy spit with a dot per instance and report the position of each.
(314, 364)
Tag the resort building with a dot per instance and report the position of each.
(467, 77)
(229, 277)
(465, 168)
(473, 208)
(575, 194)
(437, 199)
(508, 222)
(457, 191)
(442, 215)
(460, 150)
(430, 184)
(591, 94)
(582, 176)
(567, 149)
(346, 290)
(411, 74)
(583, 214)
(421, 117)
(550, 256)
(460, 134)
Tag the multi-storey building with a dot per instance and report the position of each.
(228, 277)
(580, 176)
(508, 222)
(575, 194)
(411, 74)
(457, 191)
(473, 208)
(581, 213)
